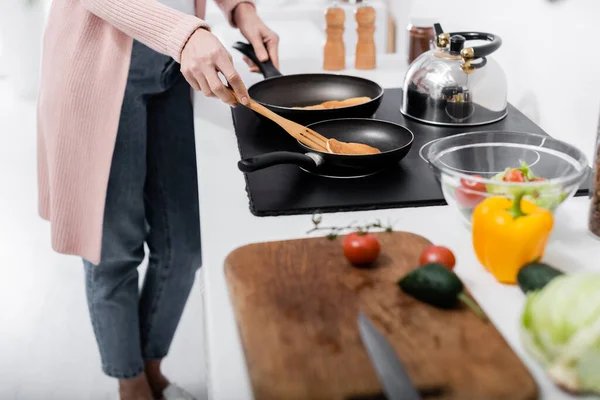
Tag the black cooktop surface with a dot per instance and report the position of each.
(288, 190)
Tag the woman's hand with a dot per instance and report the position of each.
(202, 58)
(258, 34)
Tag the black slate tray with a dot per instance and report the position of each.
(288, 190)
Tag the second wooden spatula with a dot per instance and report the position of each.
(308, 136)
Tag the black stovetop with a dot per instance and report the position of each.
(288, 190)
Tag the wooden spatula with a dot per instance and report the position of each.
(337, 147)
(353, 101)
(306, 135)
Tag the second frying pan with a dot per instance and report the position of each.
(393, 140)
(280, 93)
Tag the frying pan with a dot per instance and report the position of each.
(280, 93)
(393, 140)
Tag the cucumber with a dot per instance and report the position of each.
(438, 286)
(536, 275)
(434, 284)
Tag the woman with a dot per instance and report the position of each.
(116, 162)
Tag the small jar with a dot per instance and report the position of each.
(594, 217)
(420, 37)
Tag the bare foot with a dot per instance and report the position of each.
(135, 389)
(157, 381)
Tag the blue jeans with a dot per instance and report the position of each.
(152, 198)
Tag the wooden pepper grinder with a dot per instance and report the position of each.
(334, 52)
(365, 46)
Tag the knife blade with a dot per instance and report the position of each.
(392, 375)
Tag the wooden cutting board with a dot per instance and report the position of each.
(296, 304)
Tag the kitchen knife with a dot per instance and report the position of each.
(392, 375)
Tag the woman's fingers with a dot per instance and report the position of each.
(272, 42)
(259, 47)
(250, 63)
(202, 58)
(205, 87)
(197, 81)
(191, 79)
(234, 79)
(217, 87)
(266, 45)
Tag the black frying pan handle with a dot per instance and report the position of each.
(266, 68)
(279, 157)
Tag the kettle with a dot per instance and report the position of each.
(456, 85)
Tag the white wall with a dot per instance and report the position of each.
(549, 54)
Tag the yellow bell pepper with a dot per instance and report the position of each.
(508, 234)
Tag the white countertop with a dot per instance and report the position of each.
(227, 223)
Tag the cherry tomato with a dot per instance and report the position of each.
(473, 185)
(466, 193)
(514, 175)
(361, 248)
(438, 254)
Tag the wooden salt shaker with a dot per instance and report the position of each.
(365, 46)
(334, 52)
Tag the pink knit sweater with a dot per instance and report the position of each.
(87, 49)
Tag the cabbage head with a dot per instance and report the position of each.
(560, 326)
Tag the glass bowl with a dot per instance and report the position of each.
(469, 167)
